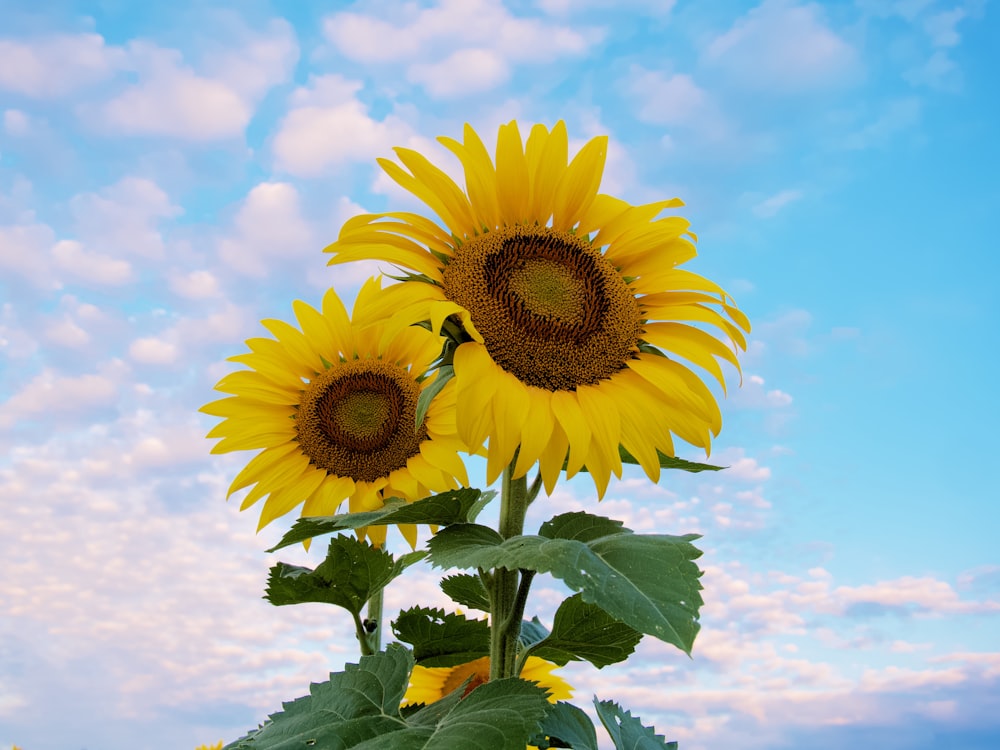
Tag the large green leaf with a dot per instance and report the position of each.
(442, 640)
(358, 709)
(467, 590)
(566, 726)
(648, 581)
(582, 630)
(627, 731)
(351, 574)
(455, 506)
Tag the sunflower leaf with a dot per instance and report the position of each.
(358, 709)
(585, 631)
(566, 726)
(627, 731)
(445, 373)
(648, 581)
(352, 706)
(442, 640)
(532, 632)
(467, 590)
(454, 506)
(351, 574)
(666, 462)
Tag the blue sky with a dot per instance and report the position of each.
(169, 174)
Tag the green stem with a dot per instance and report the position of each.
(505, 599)
(375, 616)
(359, 628)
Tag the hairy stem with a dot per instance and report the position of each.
(375, 616)
(505, 601)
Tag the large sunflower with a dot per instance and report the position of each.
(333, 407)
(572, 303)
(430, 684)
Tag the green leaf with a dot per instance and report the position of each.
(666, 462)
(352, 706)
(580, 526)
(566, 726)
(648, 581)
(499, 714)
(467, 590)
(351, 574)
(582, 630)
(671, 462)
(358, 709)
(627, 731)
(444, 374)
(532, 632)
(455, 506)
(442, 640)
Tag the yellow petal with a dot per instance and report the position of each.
(536, 432)
(285, 499)
(693, 344)
(476, 380)
(512, 175)
(550, 462)
(260, 465)
(574, 424)
(579, 184)
(549, 172)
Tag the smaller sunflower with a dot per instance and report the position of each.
(216, 746)
(430, 684)
(332, 409)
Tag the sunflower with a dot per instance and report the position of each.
(574, 312)
(216, 746)
(333, 408)
(430, 684)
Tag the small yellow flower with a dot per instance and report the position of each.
(332, 409)
(430, 684)
(216, 746)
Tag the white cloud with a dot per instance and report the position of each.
(24, 250)
(781, 47)
(771, 205)
(268, 228)
(565, 7)
(72, 257)
(67, 332)
(199, 284)
(327, 126)
(464, 71)
(938, 72)
(668, 99)
(54, 395)
(898, 115)
(172, 99)
(754, 395)
(16, 122)
(121, 219)
(941, 27)
(153, 351)
(57, 64)
(488, 38)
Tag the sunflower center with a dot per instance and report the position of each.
(551, 309)
(356, 419)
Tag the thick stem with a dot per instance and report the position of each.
(375, 618)
(505, 619)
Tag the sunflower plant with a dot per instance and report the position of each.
(537, 323)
